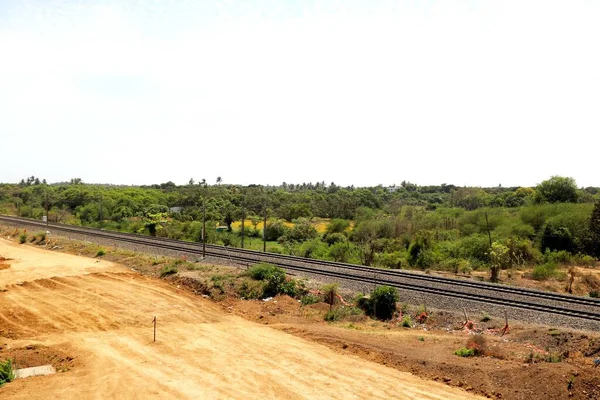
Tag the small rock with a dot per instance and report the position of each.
(446, 379)
(344, 346)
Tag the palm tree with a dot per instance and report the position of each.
(219, 180)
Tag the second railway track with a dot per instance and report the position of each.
(492, 294)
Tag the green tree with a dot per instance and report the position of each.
(558, 189)
(499, 259)
(593, 240)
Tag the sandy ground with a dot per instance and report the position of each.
(98, 317)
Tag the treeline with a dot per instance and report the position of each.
(448, 227)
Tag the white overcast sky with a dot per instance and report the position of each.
(355, 92)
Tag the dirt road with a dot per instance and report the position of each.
(95, 318)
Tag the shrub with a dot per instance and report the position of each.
(7, 373)
(251, 289)
(168, 270)
(342, 312)
(23, 237)
(100, 253)
(383, 300)
(334, 238)
(292, 288)
(544, 271)
(406, 321)
(41, 237)
(464, 352)
(272, 275)
(309, 299)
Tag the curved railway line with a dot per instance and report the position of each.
(577, 307)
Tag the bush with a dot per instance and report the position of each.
(464, 352)
(406, 321)
(544, 271)
(168, 270)
(292, 288)
(41, 237)
(251, 289)
(334, 238)
(272, 275)
(23, 237)
(7, 373)
(309, 299)
(383, 302)
(100, 253)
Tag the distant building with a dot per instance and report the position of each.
(176, 209)
(393, 188)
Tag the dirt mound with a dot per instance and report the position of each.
(35, 355)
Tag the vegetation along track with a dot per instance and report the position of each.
(493, 294)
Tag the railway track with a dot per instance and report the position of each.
(493, 294)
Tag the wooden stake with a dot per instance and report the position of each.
(466, 316)
(505, 329)
(154, 321)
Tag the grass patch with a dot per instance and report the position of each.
(406, 321)
(100, 253)
(309, 299)
(485, 317)
(168, 270)
(343, 312)
(23, 237)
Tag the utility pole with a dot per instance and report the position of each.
(487, 223)
(204, 227)
(101, 213)
(243, 219)
(47, 209)
(265, 229)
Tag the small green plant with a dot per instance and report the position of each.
(100, 253)
(421, 339)
(554, 357)
(7, 372)
(309, 299)
(168, 270)
(23, 237)
(485, 317)
(464, 352)
(406, 321)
